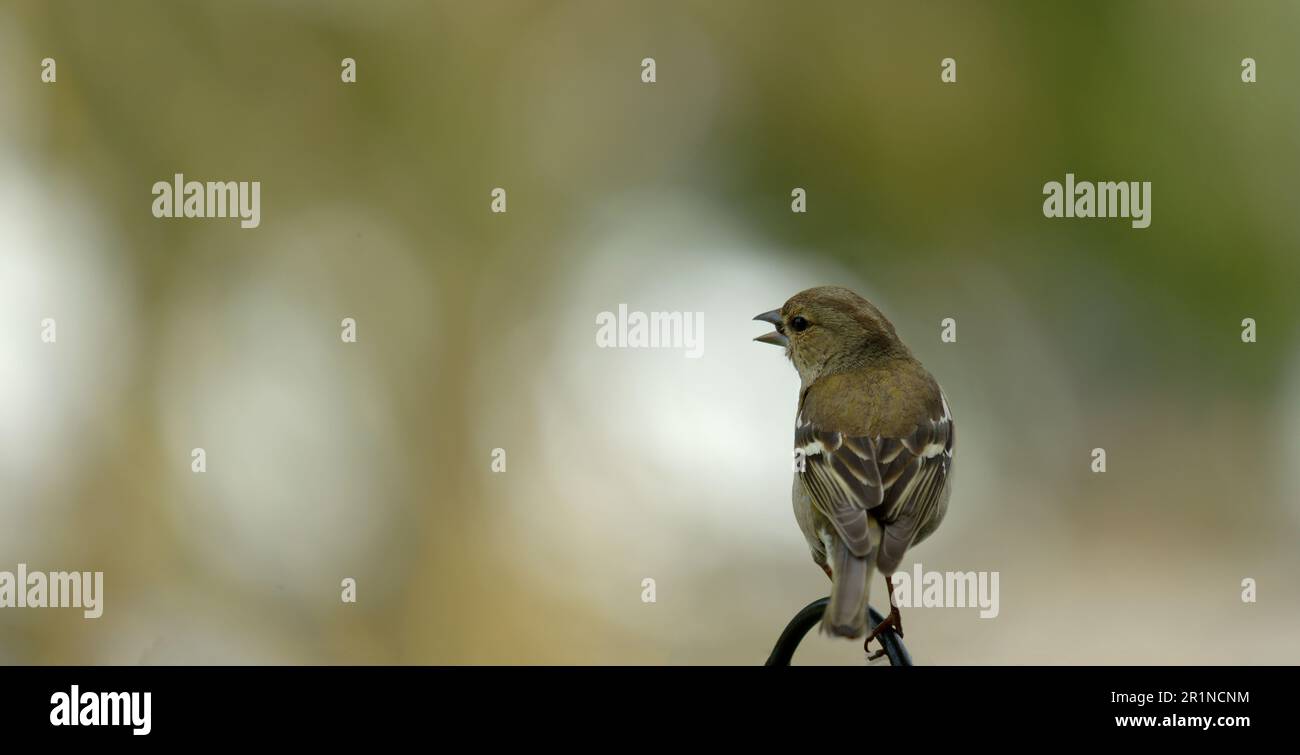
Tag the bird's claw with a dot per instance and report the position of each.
(892, 621)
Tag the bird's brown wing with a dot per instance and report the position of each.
(914, 473)
(842, 479)
(900, 482)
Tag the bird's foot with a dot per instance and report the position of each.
(893, 621)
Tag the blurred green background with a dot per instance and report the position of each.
(476, 330)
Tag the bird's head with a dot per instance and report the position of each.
(830, 329)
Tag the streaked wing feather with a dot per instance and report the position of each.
(843, 481)
(915, 497)
(898, 481)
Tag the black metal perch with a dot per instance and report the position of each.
(794, 633)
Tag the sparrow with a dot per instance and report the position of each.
(873, 446)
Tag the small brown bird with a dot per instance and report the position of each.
(873, 443)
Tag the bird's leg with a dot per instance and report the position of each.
(894, 620)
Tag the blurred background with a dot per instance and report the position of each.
(477, 330)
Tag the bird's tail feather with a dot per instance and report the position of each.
(846, 615)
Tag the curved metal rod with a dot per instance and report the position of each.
(806, 619)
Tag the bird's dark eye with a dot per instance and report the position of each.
(798, 323)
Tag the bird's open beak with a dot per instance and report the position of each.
(776, 337)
